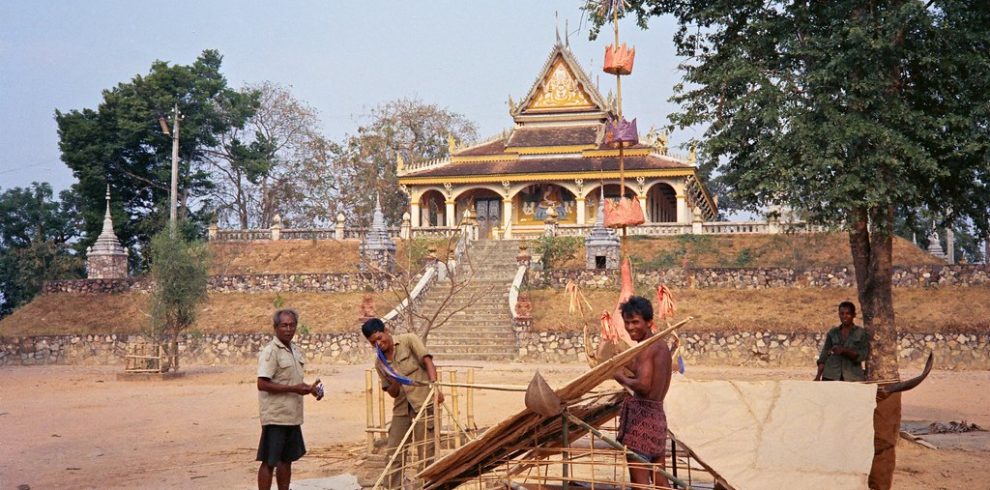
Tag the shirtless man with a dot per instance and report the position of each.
(642, 421)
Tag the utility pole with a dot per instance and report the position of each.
(174, 191)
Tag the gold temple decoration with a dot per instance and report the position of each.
(561, 90)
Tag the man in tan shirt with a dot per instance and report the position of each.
(280, 399)
(407, 372)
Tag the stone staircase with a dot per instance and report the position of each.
(483, 330)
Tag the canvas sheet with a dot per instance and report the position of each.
(777, 434)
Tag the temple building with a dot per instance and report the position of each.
(554, 157)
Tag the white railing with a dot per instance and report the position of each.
(734, 228)
(434, 272)
(424, 165)
(307, 234)
(242, 235)
(435, 232)
(660, 229)
(275, 233)
(514, 289)
(565, 230)
(423, 284)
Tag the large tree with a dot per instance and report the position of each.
(845, 110)
(36, 242)
(413, 129)
(122, 143)
(277, 164)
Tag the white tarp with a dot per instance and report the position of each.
(777, 434)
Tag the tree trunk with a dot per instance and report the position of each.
(871, 244)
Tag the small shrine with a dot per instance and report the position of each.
(555, 160)
(106, 259)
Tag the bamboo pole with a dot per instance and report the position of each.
(629, 452)
(369, 410)
(470, 399)
(437, 419)
(494, 387)
(564, 453)
(401, 447)
(455, 409)
(381, 405)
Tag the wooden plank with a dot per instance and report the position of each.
(501, 441)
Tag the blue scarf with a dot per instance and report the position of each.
(390, 370)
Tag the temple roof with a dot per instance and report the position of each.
(562, 91)
(555, 136)
(549, 166)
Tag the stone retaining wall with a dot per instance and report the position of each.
(963, 275)
(216, 349)
(246, 283)
(956, 351)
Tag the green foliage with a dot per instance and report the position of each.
(278, 302)
(179, 269)
(744, 258)
(36, 235)
(555, 251)
(121, 143)
(840, 107)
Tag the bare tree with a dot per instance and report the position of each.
(450, 288)
(273, 164)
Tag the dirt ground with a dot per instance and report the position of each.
(79, 427)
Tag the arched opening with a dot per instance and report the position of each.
(611, 192)
(661, 204)
(432, 209)
(531, 204)
(486, 205)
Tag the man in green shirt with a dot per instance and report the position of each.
(406, 370)
(846, 348)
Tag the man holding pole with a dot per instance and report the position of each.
(642, 421)
(407, 372)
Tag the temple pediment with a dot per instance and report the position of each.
(562, 89)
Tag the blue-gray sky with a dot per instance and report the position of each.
(342, 58)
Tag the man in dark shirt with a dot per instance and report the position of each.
(846, 348)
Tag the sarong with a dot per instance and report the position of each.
(643, 427)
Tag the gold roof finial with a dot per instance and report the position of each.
(400, 163)
(451, 143)
(693, 155)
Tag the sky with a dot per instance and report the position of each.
(342, 58)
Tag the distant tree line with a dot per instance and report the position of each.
(245, 156)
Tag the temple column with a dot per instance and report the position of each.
(580, 210)
(642, 205)
(450, 218)
(507, 217)
(414, 214)
(682, 209)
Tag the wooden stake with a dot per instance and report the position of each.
(470, 399)
(369, 406)
(455, 410)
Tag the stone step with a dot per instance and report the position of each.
(471, 343)
(457, 357)
(448, 330)
(441, 350)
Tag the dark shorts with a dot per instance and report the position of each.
(280, 443)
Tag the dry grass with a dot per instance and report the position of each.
(60, 314)
(308, 256)
(286, 256)
(783, 310)
(794, 251)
